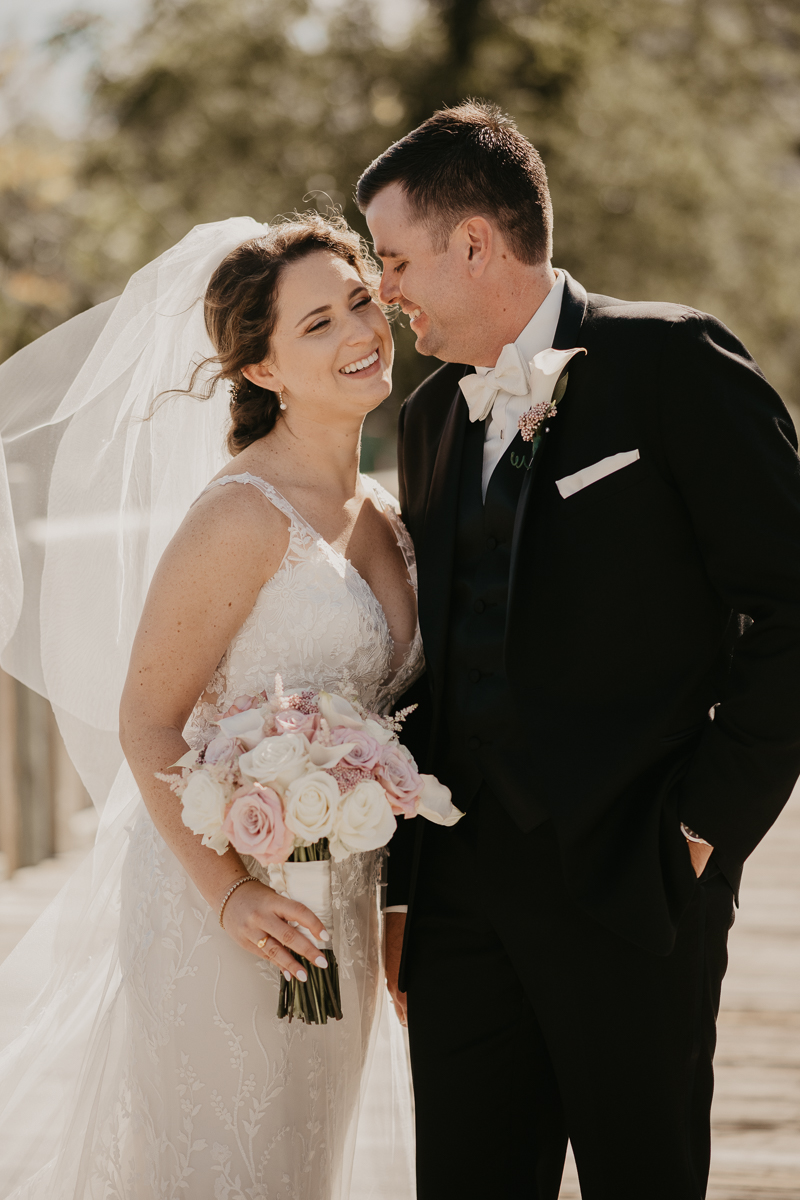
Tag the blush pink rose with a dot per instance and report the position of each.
(401, 779)
(254, 825)
(291, 720)
(241, 704)
(365, 752)
(222, 749)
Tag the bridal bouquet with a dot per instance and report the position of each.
(293, 781)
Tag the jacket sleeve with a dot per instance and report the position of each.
(732, 451)
(414, 736)
(402, 847)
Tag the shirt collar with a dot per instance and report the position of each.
(540, 331)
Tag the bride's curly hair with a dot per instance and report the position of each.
(241, 308)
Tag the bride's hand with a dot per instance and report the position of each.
(255, 911)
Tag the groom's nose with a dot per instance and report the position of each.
(389, 291)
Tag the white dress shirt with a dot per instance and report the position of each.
(538, 334)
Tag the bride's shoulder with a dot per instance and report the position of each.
(229, 513)
(380, 494)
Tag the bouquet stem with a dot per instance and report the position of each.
(319, 998)
(316, 1000)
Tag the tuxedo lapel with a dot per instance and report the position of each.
(573, 311)
(568, 332)
(439, 535)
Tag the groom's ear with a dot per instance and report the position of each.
(478, 240)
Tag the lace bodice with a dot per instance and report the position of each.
(317, 623)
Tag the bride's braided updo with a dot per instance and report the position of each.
(241, 308)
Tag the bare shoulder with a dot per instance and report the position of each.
(235, 527)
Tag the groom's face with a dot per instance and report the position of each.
(430, 286)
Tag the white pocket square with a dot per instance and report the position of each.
(571, 484)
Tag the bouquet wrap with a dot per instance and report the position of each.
(310, 884)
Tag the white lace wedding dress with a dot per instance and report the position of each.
(191, 1086)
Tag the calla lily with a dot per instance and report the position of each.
(436, 804)
(189, 759)
(247, 726)
(339, 712)
(379, 732)
(328, 756)
(546, 367)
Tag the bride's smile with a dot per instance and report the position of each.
(331, 351)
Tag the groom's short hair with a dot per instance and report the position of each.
(470, 159)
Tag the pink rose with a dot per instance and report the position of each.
(222, 749)
(254, 825)
(365, 752)
(241, 704)
(399, 776)
(291, 720)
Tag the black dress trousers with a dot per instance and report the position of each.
(530, 1023)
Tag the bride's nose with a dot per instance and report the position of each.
(360, 329)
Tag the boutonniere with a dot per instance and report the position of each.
(548, 385)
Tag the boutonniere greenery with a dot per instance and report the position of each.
(548, 385)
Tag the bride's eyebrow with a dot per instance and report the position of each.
(325, 307)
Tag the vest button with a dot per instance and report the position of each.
(479, 606)
(491, 543)
(473, 742)
(474, 676)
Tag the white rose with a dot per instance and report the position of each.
(381, 734)
(276, 759)
(436, 804)
(204, 801)
(310, 804)
(247, 726)
(365, 821)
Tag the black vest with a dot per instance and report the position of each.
(480, 726)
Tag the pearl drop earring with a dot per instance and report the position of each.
(280, 400)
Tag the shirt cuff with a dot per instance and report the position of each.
(403, 908)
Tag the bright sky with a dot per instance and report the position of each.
(55, 91)
(38, 84)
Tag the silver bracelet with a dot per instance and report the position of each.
(691, 836)
(229, 893)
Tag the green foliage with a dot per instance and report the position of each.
(669, 128)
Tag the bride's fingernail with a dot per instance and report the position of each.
(321, 961)
(287, 975)
(301, 975)
(325, 936)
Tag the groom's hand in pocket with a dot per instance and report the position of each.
(395, 931)
(700, 853)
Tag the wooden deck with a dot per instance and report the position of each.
(756, 1152)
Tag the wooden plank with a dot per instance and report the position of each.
(9, 799)
(34, 777)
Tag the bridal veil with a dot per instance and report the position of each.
(105, 458)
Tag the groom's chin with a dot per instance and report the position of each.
(427, 345)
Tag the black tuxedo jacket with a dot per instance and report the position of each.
(666, 591)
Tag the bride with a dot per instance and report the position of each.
(289, 562)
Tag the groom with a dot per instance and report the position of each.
(610, 605)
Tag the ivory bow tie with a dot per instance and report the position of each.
(510, 374)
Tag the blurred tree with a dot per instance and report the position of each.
(670, 129)
(37, 288)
